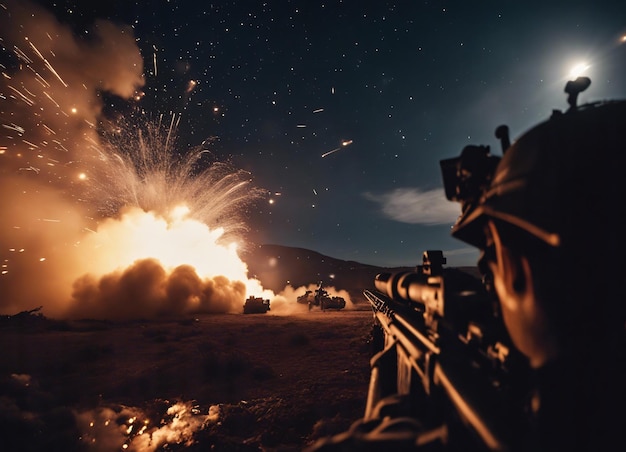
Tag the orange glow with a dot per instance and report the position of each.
(175, 241)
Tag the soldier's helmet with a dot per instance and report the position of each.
(561, 179)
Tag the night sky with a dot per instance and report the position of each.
(341, 111)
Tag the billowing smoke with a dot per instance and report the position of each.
(285, 303)
(102, 219)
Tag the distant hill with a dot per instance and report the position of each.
(276, 266)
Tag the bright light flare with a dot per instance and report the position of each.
(173, 242)
(578, 69)
(344, 143)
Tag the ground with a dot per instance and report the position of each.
(239, 382)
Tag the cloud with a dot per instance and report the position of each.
(414, 206)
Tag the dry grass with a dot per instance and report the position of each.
(280, 382)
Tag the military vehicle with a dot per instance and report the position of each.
(256, 305)
(320, 298)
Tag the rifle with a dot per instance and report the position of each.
(444, 375)
(444, 358)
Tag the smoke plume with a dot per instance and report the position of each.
(102, 219)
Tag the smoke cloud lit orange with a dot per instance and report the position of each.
(100, 219)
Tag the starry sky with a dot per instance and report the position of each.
(342, 110)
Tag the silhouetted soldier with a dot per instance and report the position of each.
(551, 231)
(550, 225)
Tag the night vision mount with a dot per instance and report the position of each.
(467, 178)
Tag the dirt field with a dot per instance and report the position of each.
(221, 382)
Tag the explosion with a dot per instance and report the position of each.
(106, 219)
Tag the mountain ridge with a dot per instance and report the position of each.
(276, 266)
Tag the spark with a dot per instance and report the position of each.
(21, 55)
(154, 60)
(47, 63)
(191, 86)
(319, 110)
(344, 143)
(49, 130)
(330, 152)
(301, 126)
(51, 99)
(14, 127)
(32, 145)
(30, 168)
(25, 99)
(58, 143)
(169, 133)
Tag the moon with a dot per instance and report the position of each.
(578, 69)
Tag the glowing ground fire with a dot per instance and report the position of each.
(128, 428)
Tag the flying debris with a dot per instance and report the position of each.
(330, 152)
(30, 168)
(344, 143)
(191, 85)
(154, 60)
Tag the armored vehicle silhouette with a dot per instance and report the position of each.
(256, 305)
(320, 298)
